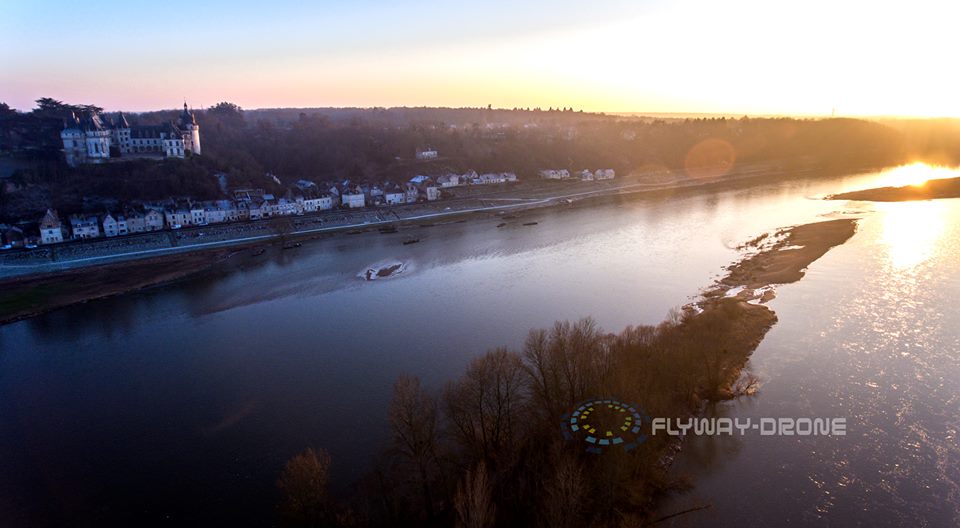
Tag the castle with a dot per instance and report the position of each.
(89, 138)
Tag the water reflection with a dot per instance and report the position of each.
(224, 376)
(912, 231)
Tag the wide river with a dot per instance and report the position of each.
(181, 403)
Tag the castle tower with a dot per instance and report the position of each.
(191, 130)
(121, 134)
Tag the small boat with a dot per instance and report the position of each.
(388, 230)
(501, 224)
(530, 223)
(259, 252)
(291, 246)
(411, 241)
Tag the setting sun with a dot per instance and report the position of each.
(916, 175)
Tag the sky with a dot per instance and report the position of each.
(755, 57)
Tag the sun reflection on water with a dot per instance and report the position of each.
(912, 231)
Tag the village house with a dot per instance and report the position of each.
(197, 214)
(495, 177)
(51, 229)
(82, 227)
(555, 174)
(153, 220)
(114, 225)
(178, 216)
(243, 211)
(352, 198)
(122, 228)
(586, 175)
(449, 180)
(110, 226)
(395, 196)
(412, 193)
(136, 221)
(230, 211)
(285, 207)
(267, 206)
(14, 237)
(427, 154)
(604, 174)
(253, 211)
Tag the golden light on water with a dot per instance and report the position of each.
(916, 174)
(912, 231)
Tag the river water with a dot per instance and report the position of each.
(181, 403)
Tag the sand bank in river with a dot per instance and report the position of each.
(784, 256)
(933, 189)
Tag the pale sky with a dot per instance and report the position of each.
(737, 56)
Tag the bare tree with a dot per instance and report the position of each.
(474, 499)
(564, 494)
(485, 407)
(565, 363)
(304, 483)
(413, 422)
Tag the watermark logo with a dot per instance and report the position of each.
(608, 423)
(741, 426)
(605, 424)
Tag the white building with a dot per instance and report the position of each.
(412, 192)
(84, 227)
(352, 198)
(427, 154)
(122, 228)
(320, 203)
(153, 220)
(586, 175)
(604, 174)
(449, 180)
(88, 139)
(198, 216)
(51, 229)
(395, 196)
(214, 213)
(178, 217)
(110, 227)
(135, 221)
(286, 207)
(555, 174)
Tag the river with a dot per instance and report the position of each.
(181, 403)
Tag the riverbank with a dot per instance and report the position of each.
(26, 297)
(491, 199)
(929, 190)
(181, 253)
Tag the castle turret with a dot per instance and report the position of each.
(191, 130)
(121, 134)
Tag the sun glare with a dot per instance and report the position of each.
(912, 231)
(915, 174)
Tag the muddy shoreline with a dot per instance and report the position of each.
(26, 297)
